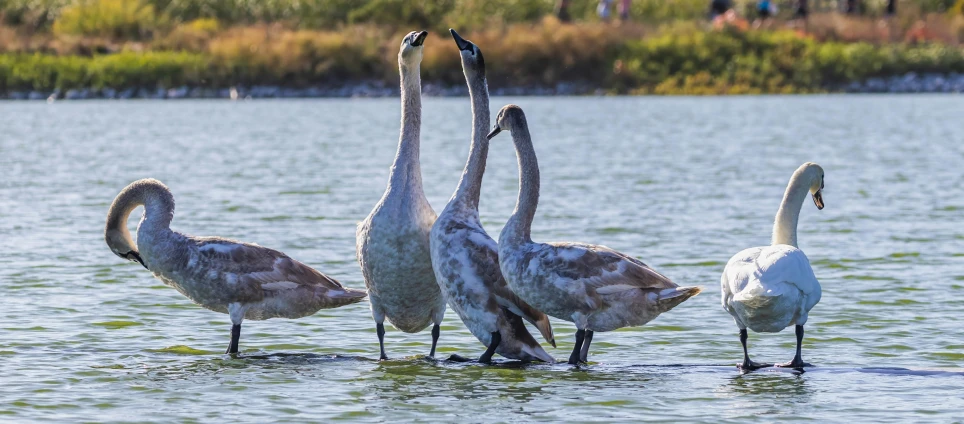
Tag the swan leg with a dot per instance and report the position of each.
(797, 361)
(747, 364)
(486, 357)
(235, 339)
(380, 331)
(236, 312)
(584, 352)
(435, 333)
(577, 349)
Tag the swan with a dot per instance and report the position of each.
(392, 243)
(466, 259)
(239, 279)
(595, 287)
(769, 288)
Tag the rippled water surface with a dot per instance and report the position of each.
(681, 183)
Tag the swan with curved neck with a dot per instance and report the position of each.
(466, 259)
(240, 279)
(392, 243)
(769, 288)
(595, 287)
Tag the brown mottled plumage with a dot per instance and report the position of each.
(466, 259)
(240, 279)
(595, 287)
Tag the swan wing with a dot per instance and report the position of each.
(486, 257)
(786, 264)
(507, 299)
(260, 269)
(772, 270)
(601, 269)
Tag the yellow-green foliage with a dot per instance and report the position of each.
(684, 59)
(273, 55)
(122, 70)
(769, 62)
(192, 36)
(121, 19)
(544, 54)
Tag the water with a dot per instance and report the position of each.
(682, 183)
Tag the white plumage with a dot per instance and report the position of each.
(769, 288)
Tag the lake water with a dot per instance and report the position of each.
(683, 183)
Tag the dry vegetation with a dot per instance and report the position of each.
(147, 44)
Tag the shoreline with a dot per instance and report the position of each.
(952, 83)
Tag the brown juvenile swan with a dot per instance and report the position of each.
(595, 287)
(466, 259)
(239, 279)
(392, 242)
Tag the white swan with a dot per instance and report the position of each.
(769, 288)
(466, 259)
(240, 279)
(595, 287)
(392, 242)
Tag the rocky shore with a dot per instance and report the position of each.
(908, 83)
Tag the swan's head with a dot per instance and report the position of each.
(119, 241)
(511, 118)
(473, 64)
(814, 176)
(410, 52)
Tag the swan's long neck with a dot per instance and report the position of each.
(519, 227)
(470, 185)
(158, 205)
(406, 169)
(785, 224)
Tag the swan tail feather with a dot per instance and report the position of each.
(537, 352)
(545, 328)
(346, 296)
(670, 298)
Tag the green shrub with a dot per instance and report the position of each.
(120, 19)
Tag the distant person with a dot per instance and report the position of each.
(603, 9)
(718, 8)
(851, 7)
(562, 11)
(624, 6)
(801, 10)
(763, 10)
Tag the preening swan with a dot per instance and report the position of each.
(240, 279)
(466, 259)
(769, 288)
(595, 287)
(392, 243)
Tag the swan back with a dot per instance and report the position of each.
(769, 288)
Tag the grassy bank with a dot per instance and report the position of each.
(630, 59)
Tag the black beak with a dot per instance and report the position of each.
(134, 256)
(495, 131)
(419, 39)
(461, 42)
(818, 199)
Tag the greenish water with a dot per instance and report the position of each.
(683, 183)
